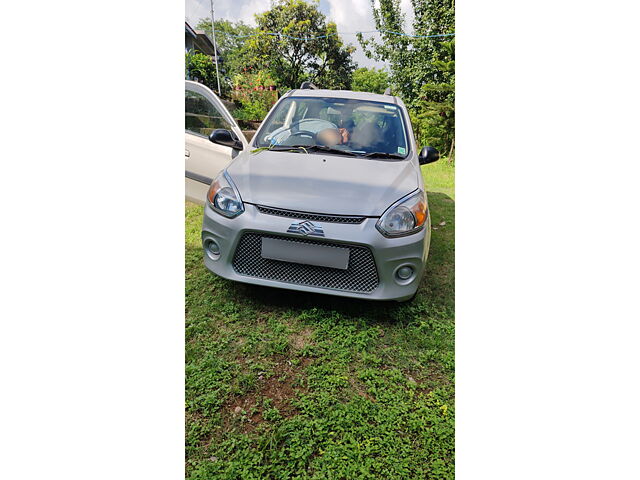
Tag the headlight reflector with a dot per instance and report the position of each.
(224, 198)
(406, 216)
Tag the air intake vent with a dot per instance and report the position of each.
(360, 276)
(310, 216)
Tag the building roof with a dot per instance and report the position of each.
(204, 44)
(190, 31)
(201, 41)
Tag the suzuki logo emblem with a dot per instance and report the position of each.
(306, 228)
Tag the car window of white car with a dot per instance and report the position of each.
(201, 117)
(203, 158)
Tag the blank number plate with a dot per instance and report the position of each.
(306, 253)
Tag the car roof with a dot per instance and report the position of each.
(347, 94)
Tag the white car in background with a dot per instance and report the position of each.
(204, 160)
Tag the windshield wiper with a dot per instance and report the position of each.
(383, 155)
(322, 148)
(312, 148)
(284, 148)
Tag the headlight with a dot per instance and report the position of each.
(408, 215)
(224, 198)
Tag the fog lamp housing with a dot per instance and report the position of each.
(404, 273)
(212, 249)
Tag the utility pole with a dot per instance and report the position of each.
(215, 47)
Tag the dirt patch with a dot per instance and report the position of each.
(359, 389)
(276, 391)
(301, 339)
(432, 378)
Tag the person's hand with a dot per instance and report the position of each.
(344, 133)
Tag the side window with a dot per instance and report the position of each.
(201, 117)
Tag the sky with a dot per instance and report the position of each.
(349, 16)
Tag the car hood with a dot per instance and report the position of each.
(319, 183)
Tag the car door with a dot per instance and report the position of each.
(204, 112)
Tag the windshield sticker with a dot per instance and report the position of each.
(402, 150)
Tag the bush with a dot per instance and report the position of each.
(252, 111)
(433, 125)
(433, 116)
(201, 68)
(255, 94)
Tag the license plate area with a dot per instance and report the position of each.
(305, 253)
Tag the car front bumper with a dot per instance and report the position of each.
(389, 254)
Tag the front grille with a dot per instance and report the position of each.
(310, 216)
(360, 276)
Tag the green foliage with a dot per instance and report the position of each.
(252, 110)
(412, 60)
(433, 117)
(293, 385)
(252, 92)
(370, 80)
(248, 79)
(325, 61)
(232, 49)
(201, 67)
(422, 69)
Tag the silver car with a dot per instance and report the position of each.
(328, 197)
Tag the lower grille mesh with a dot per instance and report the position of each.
(361, 275)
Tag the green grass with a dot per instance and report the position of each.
(283, 384)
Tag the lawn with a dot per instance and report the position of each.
(283, 384)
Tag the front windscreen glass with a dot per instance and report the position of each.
(353, 126)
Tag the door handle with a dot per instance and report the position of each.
(187, 153)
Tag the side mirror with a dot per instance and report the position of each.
(226, 138)
(428, 155)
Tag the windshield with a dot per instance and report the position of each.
(338, 125)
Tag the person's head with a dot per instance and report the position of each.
(347, 123)
(329, 137)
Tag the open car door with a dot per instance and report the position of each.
(204, 112)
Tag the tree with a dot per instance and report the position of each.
(422, 69)
(435, 107)
(412, 59)
(231, 42)
(308, 49)
(370, 80)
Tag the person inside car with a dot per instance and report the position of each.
(333, 136)
(336, 136)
